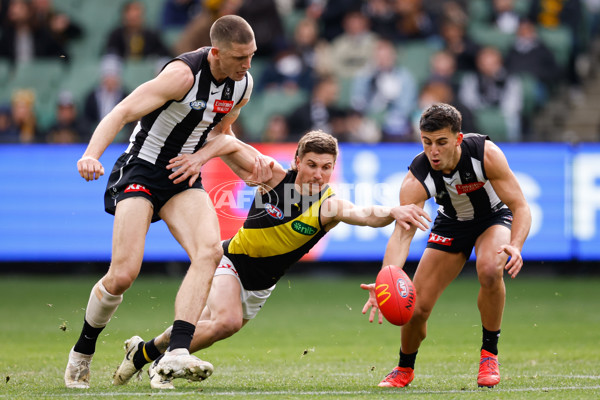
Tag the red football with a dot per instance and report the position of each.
(395, 294)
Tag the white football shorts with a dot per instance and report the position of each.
(252, 300)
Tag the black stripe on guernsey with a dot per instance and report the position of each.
(146, 124)
(226, 94)
(182, 131)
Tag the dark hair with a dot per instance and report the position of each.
(230, 29)
(439, 116)
(317, 142)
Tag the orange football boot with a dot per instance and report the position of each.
(399, 377)
(489, 373)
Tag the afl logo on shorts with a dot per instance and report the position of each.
(198, 104)
(273, 211)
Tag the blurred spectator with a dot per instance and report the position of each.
(69, 127)
(8, 130)
(413, 21)
(264, 18)
(23, 116)
(382, 18)
(293, 68)
(441, 92)
(132, 39)
(196, 33)
(569, 14)
(277, 130)
(21, 41)
(60, 25)
(319, 112)
(388, 90)
(107, 94)
(178, 13)
(529, 55)
(504, 16)
(352, 50)
(442, 68)
(361, 129)
(492, 86)
(456, 41)
(332, 16)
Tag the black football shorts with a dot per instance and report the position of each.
(459, 236)
(134, 177)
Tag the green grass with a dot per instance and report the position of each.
(312, 342)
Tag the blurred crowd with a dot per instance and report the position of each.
(360, 69)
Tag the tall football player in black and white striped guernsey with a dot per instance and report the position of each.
(295, 209)
(195, 94)
(481, 205)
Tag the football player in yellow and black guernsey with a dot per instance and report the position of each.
(291, 212)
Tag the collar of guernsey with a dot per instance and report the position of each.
(264, 235)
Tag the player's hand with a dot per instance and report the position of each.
(371, 303)
(514, 264)
(185, 166)
(411, 215)
(89, 168)
(262, 171)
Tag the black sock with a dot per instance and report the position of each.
(490, 341)
(407, 360)
(142, 357)
(87, 340)
(181, 335)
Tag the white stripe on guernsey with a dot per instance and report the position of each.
(461, 203)
(478, 168)
(430, 184)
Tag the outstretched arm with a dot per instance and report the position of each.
(337, 210)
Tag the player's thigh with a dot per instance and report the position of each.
(224, 300)
(489, 261)
(131, 223)
(191, 218)
(436, 270)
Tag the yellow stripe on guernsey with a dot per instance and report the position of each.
(280, 239)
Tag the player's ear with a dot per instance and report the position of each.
(214, 51)
(459, 138)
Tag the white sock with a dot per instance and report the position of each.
(101, 306)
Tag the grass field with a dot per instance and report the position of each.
(312, 342)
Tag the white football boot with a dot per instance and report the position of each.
(157, 381)
(126, 370)
(179, 363)
(77, 374)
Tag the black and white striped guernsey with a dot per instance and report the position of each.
(465, 194)
(180, 127)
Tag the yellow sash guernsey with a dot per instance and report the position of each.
(276, 234)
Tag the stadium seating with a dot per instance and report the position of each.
(415, 56)
(490, 121)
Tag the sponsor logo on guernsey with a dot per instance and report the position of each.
(469, 187)
(433, 238)
(223, 106)
(402, 288)
(273, 211)
(136, 187)
(303, 228)
(198, 104)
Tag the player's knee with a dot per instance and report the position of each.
(117, 282)
(489, 276)
(226, 327)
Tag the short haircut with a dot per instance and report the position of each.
(439, 116)
(230, 29)
(317, 142)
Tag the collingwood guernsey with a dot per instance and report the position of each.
(181, 126)
(465, 194)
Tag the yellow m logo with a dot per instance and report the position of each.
(383, 292)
